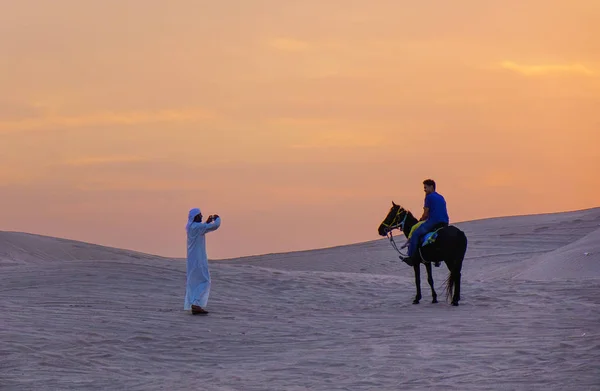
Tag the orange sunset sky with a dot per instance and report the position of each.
(297, 121)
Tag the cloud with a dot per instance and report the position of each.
(324, 133)
(106, 118)
(9, 176)
(289, 45)
(102, 160)
(139, 184)
(306, 194)
(548, 69)
(301, 122)
(10, 109)
(500, 179)
(341, 139)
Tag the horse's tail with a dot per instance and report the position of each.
(456, 265)
(449, 284)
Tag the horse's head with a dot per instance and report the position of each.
(394, 219)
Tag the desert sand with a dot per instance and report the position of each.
(77, 316)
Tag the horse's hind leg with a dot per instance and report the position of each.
(430, 281)
(417, 269)
(456, 273)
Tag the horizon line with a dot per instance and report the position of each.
(291, 251)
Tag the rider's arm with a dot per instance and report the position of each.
(426, 208)
(425, 214)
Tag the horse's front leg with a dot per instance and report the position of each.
(417, 268)
(430, 281)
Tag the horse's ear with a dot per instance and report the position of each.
(393, 203)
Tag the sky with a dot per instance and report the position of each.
(298, 122)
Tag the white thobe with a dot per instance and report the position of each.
(198, 275)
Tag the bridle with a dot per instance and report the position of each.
(393, 225)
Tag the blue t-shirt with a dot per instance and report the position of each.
(437, 208)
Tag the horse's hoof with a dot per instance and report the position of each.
(434, 301)
(455, 303)
(415, 301)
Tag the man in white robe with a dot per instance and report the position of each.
(198, 275)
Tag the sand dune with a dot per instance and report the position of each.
(26, 249)
(79, 316)
(576, 261)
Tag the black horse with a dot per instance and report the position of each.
(449, 247)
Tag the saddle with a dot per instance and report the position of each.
(431, 236)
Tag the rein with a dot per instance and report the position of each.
(396, 246)
(392, 227)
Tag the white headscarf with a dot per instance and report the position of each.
(191, 216)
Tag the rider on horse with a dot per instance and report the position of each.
(435, 215)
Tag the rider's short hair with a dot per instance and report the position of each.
(429, 182)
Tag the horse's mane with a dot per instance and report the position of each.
(408, 212)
